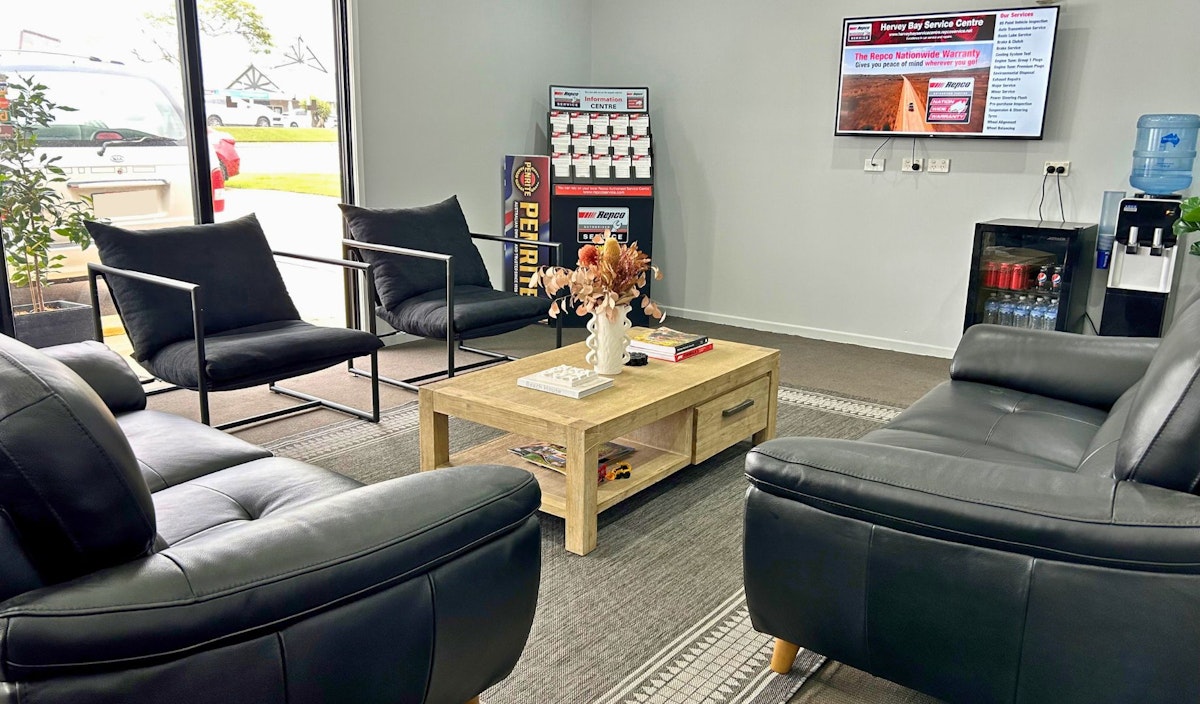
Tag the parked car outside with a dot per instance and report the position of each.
(222, 110)
(298, 118)
(225, 148)
(124, 144)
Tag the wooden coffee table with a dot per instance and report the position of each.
(675, 414)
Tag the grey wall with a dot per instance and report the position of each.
(764, 219)
(444, 89)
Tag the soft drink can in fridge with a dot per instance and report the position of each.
(1004, 280)
(1018, 277)
(991, 274)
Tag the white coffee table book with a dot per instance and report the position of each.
(566, 380)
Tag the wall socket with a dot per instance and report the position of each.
(912, 166)
(939, 166)
(1066, 167)
(874, 165)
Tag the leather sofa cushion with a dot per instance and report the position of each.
(1160, 442)
(478, 312)
(963, 418)
(440, 228)
(246, 492)
(231, 261)
(171, 449)
(261, 353)
(86, 509)
(105, 371)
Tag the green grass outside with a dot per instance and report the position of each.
(281, 134)
(315, 184)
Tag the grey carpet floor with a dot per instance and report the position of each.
(666, 558)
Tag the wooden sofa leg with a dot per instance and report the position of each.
(473, 700)
(784, 656)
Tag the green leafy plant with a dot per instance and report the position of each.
(32, 211)
(1189, 221)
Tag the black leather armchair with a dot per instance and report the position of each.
(1027, 532)
(148, 558)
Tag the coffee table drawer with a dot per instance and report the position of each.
(730, 417)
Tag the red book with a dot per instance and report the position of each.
(678, 357)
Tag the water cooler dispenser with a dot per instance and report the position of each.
(1142, 269)
(1144, 260)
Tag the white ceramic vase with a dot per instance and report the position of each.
(607, 342)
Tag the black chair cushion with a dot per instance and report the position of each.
(478, 312)
(231, 261)
(69, 483)
(259, 354)
(440, 229)
(172, 449)
(1161, 439)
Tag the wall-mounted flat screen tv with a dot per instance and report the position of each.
(954, 74)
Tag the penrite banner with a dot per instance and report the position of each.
(526, 189)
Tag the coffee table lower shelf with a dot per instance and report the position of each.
(650, 465)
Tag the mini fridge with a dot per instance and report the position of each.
(1046, 265)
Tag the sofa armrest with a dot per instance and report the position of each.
(105, 371)
(1038, 512)
(1092, 371)
(260, 576)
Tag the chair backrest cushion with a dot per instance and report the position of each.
(440, 228)
(231, 261)
(69, 482)
(1160, 443)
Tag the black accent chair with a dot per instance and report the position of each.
(431, 281)
(206, 309)
(1029, 531)
(148, 558)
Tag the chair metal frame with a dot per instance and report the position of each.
(350, 249)
(308, 401)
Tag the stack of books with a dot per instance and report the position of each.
(669, 345)
(566, 380)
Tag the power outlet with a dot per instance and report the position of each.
(873, 165)
(912, 166)
(1053, 166)
(939, 166)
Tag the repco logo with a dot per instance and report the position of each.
(527, 179)
(601, 215)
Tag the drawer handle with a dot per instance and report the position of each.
(738, 408)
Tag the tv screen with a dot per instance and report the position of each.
(951, 74)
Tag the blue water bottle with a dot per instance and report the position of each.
(1163, 153)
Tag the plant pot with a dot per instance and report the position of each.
(61, 323)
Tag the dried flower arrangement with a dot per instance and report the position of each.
(609, 275)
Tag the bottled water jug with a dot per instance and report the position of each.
(1163, 153)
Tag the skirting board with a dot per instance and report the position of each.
(881, 343)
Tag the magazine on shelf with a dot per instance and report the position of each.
(668, 357)
(551, 456)
(666, 340)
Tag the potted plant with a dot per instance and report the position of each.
(1189, 221)
(33, 213)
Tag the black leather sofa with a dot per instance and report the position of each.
(148, 558)
(1029, 531)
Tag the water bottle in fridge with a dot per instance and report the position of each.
(1021, 313)
(1006, 311)
(1050, 322)
(1037, 318)
(991, 310)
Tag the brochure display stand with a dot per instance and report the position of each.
(602, 175)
